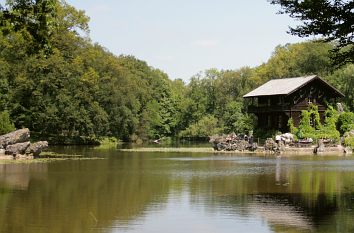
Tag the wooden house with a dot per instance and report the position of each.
(279, 99)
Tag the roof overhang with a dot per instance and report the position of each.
(289, 85)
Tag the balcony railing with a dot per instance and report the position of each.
(273, 108)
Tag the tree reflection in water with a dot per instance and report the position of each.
(125, 191)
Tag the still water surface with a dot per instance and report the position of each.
(178, 192)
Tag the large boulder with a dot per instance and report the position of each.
(18, 136)
(270, 145)
(281, 146)
(18, 148)
(37, 148)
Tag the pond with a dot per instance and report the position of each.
(177, 192)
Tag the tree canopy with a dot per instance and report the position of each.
(59, 84)
(331, 19)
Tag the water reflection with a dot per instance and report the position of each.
(18, 176)
(169, 192)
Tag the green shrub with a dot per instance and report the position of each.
(6, 125)
(329, 129)
(317, 130)
(292, 128)
(349, 139)
(345, 122)
(108, 142)
(305, 129)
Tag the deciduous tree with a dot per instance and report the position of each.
(330, 19)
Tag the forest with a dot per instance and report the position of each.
(55, 81)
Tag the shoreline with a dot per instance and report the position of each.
(289, 151)
(339, 151)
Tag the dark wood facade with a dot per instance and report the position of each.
(274, 111)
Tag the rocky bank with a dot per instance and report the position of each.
(17, 145)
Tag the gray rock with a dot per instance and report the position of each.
(348, 150)
(281, 146)
(270, 145)
(18, 148)
(37, 148)
(320, 147)
(231, 142)
(18, 136)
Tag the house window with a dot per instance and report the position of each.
(308, 100)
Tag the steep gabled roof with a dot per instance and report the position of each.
(284, 86)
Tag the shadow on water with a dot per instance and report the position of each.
(167, 192)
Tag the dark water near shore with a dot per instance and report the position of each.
(177, 192)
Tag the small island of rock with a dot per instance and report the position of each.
(16, 145)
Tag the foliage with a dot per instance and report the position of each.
(34, 19)
(310, 126)
(309, 123)
(305, 130)
(108, 143)
(235, 120)
(349, 141)
(63, 87)
(299, 59)
(292, 128)
(345, 122)
(6, 125)
(206, 126)
(79, 89)
(343, 79)
(330, 19)
(329, 130)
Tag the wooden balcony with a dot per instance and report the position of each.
(280, 108)
(273, 108)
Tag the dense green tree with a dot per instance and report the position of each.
(343, 79)
(79, 88)
(55, 81)
(299, 59)
(6, 125)
(34, 19)
(236, 120)
(206, 126)
(333, 20)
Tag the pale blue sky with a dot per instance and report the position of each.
(183, 37)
